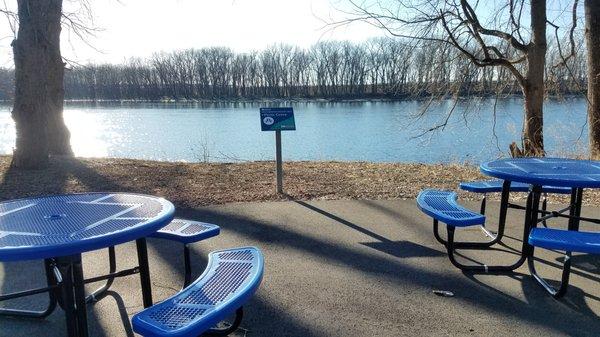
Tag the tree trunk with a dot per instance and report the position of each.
(533, 88)
(37, 109)
(592, 39)
(59, 137)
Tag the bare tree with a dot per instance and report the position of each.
(377, 68)
(503, 41)
(592, 34)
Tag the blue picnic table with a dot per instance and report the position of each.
(541, 175)
(573, 173)
(58, 229)
(562, 172)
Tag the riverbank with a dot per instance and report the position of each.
(191, 185)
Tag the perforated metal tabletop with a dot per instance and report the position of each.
(54, 226)
(546, 171)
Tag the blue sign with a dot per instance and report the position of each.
(277, 119)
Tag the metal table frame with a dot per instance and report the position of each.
(531, 211)
(534, 215)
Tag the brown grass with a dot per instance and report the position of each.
(199, 184)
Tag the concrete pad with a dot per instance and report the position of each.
(343, 268)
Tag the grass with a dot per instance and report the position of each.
(200, 184)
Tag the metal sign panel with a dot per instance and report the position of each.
(277, 119)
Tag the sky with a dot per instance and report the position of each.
(137, 28)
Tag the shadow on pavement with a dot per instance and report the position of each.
(541, 310)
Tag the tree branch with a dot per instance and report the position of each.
(486, 62)
(474, 21)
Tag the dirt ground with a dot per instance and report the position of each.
(200, 184)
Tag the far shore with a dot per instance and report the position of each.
(190, 185)
(297, 99)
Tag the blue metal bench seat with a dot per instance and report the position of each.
(442, 206)
(187, 231)
(230, 279)
(492, 186)
(565, 240)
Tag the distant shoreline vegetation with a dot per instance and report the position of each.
(293, 100)
(378, 69)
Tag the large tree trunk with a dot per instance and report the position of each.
(37, 108)
(592, 39)
(533, 88)
(59, 137)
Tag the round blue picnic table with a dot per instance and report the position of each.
(60, 228)
(53, 226)
(572, 173)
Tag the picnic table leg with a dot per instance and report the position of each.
(67, 301)
(531, 218)
(142, 251)
(73, 295)
(504, 200)
(112, 268)
(187, 279)
(80, 302)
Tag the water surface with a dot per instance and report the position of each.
(357, 131)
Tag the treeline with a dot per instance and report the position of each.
(378, 68)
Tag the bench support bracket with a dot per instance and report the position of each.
(239, 314)
(531, 218)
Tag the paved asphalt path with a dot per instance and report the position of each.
(344, 268)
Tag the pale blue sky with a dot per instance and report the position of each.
(141, 27)
(137, 28)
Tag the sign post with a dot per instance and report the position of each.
(277, 119)
(278, 161)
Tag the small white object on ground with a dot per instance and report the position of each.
(443, 293)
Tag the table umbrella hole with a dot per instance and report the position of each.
(55, 216)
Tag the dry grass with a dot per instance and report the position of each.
(199, 184)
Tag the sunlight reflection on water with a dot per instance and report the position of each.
(7, 129)
(87, 131)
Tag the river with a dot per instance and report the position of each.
(344, 131)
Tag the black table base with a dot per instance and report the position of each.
(531, 214)
(72, 299)
(66, 288)
(532, 219)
